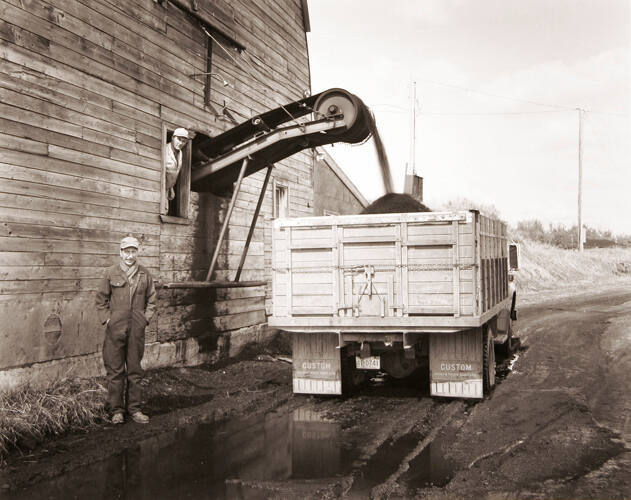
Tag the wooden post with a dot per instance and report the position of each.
(254, 219)
(237, 187)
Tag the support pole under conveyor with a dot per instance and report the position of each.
(226, 221)
(253, 225)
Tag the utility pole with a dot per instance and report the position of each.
(580, 180)
(411, 167)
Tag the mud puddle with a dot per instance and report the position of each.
(206, 460)
(431, 467)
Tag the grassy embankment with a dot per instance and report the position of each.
(545, 267)
(28, 415)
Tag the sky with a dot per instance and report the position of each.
(498, 84)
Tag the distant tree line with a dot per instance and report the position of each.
(564, 237)
(555, 234)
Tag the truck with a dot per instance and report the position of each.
(393, 292)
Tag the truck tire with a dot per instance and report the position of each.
(488, 361)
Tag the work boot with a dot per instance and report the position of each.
(118, 418)
(139, 417)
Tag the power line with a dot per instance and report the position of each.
(431, 113)
(528, 101)
(496, 113)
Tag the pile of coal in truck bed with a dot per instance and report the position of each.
(395, 203)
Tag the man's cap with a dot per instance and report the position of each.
(129, 241)
(181, 132)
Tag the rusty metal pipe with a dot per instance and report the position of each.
(224, 227)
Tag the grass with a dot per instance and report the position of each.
(544, 266)
(28, 414)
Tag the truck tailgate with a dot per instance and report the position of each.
(432, 271)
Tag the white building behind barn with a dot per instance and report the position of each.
(90, 92)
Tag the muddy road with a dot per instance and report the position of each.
(557, 425)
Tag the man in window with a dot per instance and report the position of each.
(173, 163)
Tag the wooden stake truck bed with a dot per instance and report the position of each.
(373, 280)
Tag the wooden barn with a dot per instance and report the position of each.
(91, 92)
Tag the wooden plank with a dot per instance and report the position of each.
(351, 233)
(438, 299)
(36, 119)
(336, 278)
(444, 276)
(240, 320)
(311, 277)
(37, 231)
(74, 75)
(30, 272)
(405, 278)
(313, 301)
(438, 310)
(26, 181)
(126, 185)
(235, 306)
(306, 258)
(290, 274)
(370, 219)
(396, 293)
(91, 260)
(365, 254)
(319, 234)
(306, 288)
(9, 215)
(36, 104)
(422, 230)
(442, 287)
(21, 129)
(47, 286)
(34, 90)
(15, 244)
(22, 202)
(127, 59)
(22, 258)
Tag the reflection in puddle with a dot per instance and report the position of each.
(429, 468)
(194, 461)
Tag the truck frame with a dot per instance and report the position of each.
(392, 292)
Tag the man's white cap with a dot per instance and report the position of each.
(181, 132)
(129, 241)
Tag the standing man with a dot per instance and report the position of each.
(173, 163)
(125, 302)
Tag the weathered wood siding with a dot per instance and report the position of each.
(334, 193)
(86, 88)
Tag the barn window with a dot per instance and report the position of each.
(177, 207)
(281, 200)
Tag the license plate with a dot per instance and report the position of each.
(369, 363)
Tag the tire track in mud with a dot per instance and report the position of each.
(402, 440)
(383, 489)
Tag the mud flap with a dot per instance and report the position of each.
(455, 364)
(316, 363)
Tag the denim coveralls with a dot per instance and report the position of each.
(124, 343)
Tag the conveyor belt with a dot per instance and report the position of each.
(339, 116)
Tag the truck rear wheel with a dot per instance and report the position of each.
(488, 361)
